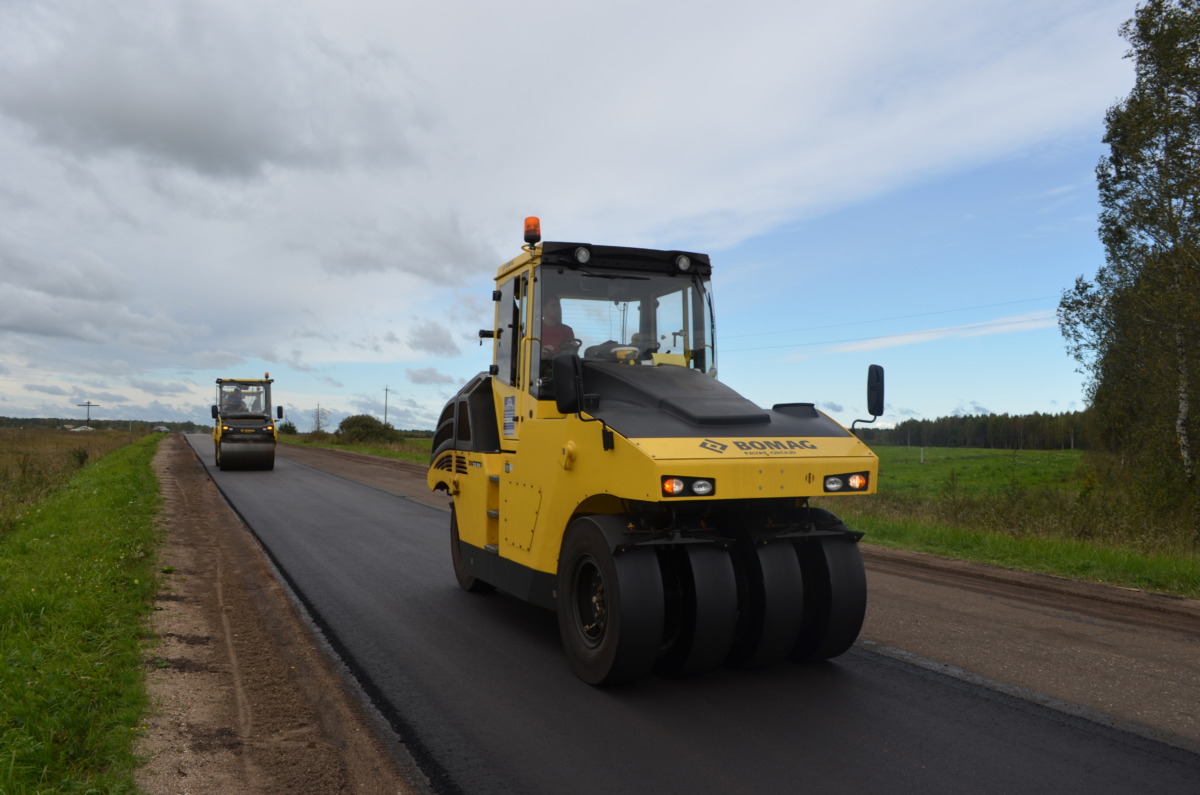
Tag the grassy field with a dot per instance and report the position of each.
(77, 583)
(408, 449)
(1029, 509)
(36, 462)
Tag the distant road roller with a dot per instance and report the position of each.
(599, 468)
(244, 431)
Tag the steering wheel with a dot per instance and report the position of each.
(567, 346)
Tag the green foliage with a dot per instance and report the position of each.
(365, 429)
(1135, 329)
(76, 585)
(288, 427)
(1022, 432)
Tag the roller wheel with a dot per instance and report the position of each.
(701, 609)
(835, 596)
(217, 455)
(466, 580)
(770, 603)
(610, 606)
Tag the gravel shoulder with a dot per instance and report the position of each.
(246, 698)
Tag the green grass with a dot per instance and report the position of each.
(76, 586)
(35, 462)
(1034, 510)
(408, 449)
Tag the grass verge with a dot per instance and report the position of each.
(1080, 560)
(76, 586)
(409, 449)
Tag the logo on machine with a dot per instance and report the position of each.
(716, 447)
(776, 445)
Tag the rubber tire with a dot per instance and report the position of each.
(835, 596)
(466, 581)
(770, 603)
(701, 604)
(620, 641)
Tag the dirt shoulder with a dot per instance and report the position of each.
(245, 697)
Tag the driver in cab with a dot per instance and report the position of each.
(557, 336)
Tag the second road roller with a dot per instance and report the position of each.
(245, 430)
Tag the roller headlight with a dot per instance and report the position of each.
(853, 481)
(688, 487)
(683, 262)
(582, 255)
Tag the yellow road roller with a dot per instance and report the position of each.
(244, 428)
(600, 469)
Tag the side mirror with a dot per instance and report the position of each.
(214, 411)
(875, 390)
(568, 383)
(874, 395)
(279, 412)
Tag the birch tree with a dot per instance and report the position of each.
(1135, 328)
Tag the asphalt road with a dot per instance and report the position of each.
(478, 689)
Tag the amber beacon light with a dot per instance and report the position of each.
(533, 230)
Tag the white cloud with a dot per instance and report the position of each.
(1006, 325)
(311, 187)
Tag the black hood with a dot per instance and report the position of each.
(639, 401)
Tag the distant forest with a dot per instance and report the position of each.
(1008, 432)
(140, 426)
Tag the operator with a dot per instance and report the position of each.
(234, 402)
(557, 336)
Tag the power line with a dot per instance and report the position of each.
(880, 320)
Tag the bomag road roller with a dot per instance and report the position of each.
(601, 470)
(244, 432)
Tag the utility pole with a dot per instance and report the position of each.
(385, 395)
(89, 405)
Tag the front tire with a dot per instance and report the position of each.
(610, 606)
(770, 602)
(835, 596)
(701, 599)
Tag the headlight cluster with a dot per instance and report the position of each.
(854, 481)
(688, 487)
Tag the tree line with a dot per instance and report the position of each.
(1135, 327)
(1037, 431)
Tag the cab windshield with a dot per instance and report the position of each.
(635, 317)
(248, 398)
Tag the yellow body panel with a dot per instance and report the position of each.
(562, 470)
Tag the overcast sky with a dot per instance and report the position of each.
(202, 189)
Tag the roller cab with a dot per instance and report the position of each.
(599, 468)
(245, 428)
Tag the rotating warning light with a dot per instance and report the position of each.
(533, 230)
